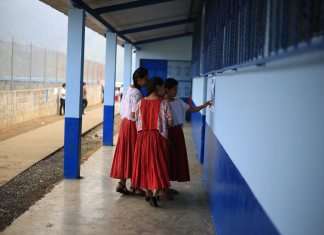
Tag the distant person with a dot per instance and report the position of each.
(123, 157)
(85, 99)
(102, 93)
(178, 164)
(121, 90)
(62, 99)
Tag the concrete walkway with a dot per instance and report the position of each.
(91, 205)
(21, 152)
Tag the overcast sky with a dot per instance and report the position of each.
(32, 21)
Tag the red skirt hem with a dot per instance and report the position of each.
(178, 166)
(123, 157)
(150, 168)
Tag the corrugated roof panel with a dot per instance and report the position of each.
(154, 12)
(104, 3)
(163, 32)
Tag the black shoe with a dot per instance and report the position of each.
(153, 202)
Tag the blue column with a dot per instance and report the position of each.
(74, 79)
(127, 65)
(109, 96)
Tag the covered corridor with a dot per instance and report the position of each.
(260, 146)
(90, 205)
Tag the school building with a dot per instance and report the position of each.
(261, 62)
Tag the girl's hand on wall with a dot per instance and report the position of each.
(208, 103)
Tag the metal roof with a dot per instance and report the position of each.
(137, 22)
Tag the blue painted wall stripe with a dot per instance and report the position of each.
(234, 207)
(72, 147)
(108, 125)
(202, 144)
(198, 129)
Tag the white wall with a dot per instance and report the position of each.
(173, 49)
(270, 120)
(198, 91)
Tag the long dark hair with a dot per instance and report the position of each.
(153, 83)
(139, 74)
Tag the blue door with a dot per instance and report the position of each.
(155, 68)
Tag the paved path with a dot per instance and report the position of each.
(21, 152)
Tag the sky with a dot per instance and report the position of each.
(32, 21)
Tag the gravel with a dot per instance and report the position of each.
(24, 190)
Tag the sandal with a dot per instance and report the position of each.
(153, 201)
(137, 191)
(122, 189)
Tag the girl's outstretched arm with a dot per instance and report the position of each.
(200, 107)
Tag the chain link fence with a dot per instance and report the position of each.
(27, 66)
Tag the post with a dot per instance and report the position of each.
(12, 58)
(56, 72)
(127, 65)
(109, 95)
(74, 80)
(44, 68)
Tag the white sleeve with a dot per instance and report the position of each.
(184, 105)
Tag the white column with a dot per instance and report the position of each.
(127, 65)
(74, 80)
(109, 95)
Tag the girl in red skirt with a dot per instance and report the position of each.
(122, 163)
(153, 116)
(178, 167)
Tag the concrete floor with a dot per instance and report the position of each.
(91, 205)
(39, 143)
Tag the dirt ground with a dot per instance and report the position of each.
(17, 129)
(24, 190)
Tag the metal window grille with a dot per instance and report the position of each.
(195, 65)
(240, 33)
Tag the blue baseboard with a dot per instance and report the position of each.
(108, 125)
(198, 131)
(72, 147)
(234, 207)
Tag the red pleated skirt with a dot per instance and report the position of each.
(124, 153)
(178, 166)
(150, 168)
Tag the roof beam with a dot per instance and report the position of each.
(128, 5)
(164, 38)
(156, 26)
(84, 6)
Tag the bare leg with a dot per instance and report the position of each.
(154, 198)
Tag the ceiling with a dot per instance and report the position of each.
(137, 22)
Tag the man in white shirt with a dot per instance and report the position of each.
(62, 98)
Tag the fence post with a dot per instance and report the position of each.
(56, 66)
(93, 72)
(30, 65)
(44, 68)
(12, 57)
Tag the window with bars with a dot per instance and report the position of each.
(195, 66)
(239, 33)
